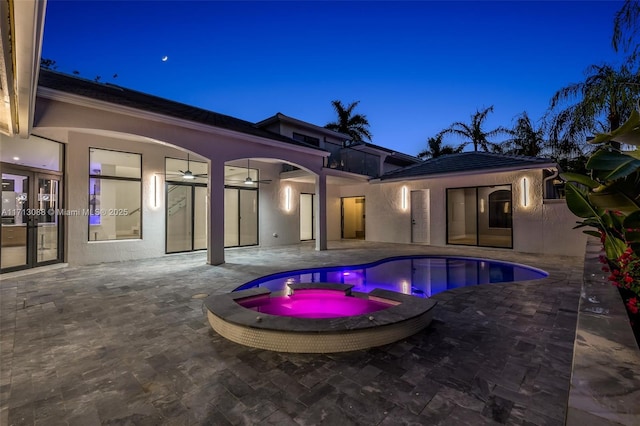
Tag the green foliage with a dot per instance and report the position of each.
(608, 199)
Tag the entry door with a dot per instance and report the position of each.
(420, 222)
(306, 217)
(353, 218)
(31, 225)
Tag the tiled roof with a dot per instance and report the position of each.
(130, 98)
(466, 162)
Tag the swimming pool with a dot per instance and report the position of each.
(421, 276)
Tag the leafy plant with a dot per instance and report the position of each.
(608, 199)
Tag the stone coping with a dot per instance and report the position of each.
(402, 307)
(605, 379)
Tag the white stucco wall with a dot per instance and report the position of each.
(537, 227)
(80, 250)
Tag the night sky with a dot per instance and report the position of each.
(415, 67)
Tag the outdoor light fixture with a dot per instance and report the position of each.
(525, 194)
(405, 200)
(481, 205)
(287, 198)
(188, 175)
(248, 181)
(155, 191)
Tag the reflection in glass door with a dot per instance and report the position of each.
(186, 212)
(47, 223)
(480, 216)
(30, 231)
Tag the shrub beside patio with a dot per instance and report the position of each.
(609, 201)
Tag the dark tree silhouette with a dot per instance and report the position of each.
(473, 133)
(354, 125)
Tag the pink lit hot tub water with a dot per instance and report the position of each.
(315, 303)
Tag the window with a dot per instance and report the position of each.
(115, 195)
(307, 139)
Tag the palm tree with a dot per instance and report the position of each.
(597, 105)
(354, 125)
(473, 132)
(435, 148)
(526, 139)
(625, 28)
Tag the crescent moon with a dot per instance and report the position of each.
(164, 58)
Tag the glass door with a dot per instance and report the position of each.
(353, 218)
(186, 213)
(240, 217)
(31, 226)
(46, 222)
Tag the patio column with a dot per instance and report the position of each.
(215, 216)
(321, 212)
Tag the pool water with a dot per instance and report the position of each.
(315, 303)
(421, 276)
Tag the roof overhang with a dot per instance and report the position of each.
(469, 173)
(73, 99)
(279, 117)
(21, 32)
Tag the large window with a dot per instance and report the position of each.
(480, 216)
(115, 195)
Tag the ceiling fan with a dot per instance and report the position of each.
(188, 174)
(249, 180)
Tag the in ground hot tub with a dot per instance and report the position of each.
(317, 317)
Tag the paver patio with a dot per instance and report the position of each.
(128, 343)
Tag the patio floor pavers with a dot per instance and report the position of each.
(128, 343)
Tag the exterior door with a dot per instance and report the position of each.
(186, 218)
(353, 218)
(306, 217)
(420, 222)
(31, 219)
(240, 217)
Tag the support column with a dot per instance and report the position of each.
(215, 216)
(321, 212)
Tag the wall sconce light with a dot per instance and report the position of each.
(155, 190)
(525, 192)
(154, 198)
(481, 205)
(287, 198)
(405, 198)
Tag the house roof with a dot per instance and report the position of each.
(130, 98)
(467, 162)
(286, 119)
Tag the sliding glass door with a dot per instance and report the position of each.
(480, 216)
(240, 217)
(186, 212)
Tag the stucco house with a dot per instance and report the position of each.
(95, 172)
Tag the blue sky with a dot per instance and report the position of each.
(415, 67)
